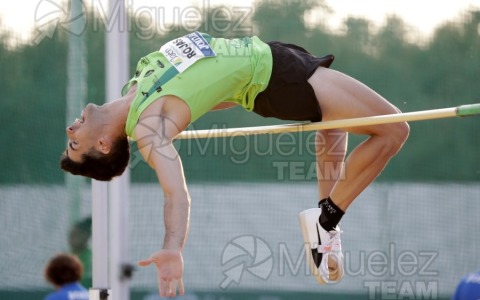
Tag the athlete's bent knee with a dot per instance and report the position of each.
(397, 135)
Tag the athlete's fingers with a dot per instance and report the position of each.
(145, 262)
(164, 288)
(173, 288)
(181, 288)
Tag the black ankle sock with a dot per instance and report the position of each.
(331, 214)
(320, 203)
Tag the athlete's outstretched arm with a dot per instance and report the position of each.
(158, 125)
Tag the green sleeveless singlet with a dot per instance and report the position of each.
(233, 70)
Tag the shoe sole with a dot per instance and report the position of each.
(307, 217)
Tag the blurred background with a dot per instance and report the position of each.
(411, 234)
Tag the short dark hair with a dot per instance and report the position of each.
(64, 268)
(100, 166)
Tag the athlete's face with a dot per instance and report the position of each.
(83, 134)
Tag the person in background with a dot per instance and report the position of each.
(468, 288)
(64, 271)
(78, 239)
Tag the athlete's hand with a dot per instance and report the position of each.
(169, 265)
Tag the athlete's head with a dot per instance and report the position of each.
(95, 147)
(62, 269)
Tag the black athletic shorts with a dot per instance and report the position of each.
(288, 95)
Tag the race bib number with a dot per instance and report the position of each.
(186, 50)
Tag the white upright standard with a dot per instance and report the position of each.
(110, 201)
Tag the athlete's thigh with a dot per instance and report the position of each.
(343, 97)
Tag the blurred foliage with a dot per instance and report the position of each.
(441, 72)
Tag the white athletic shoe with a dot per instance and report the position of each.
(323, 248)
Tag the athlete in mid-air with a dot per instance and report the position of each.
(196, 73)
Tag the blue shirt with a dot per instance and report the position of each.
(468, 288)
(69, 291)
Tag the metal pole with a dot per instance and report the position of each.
(117, 74)
(100, 276)
(460, 111)
(76, 95)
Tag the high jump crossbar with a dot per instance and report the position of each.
(459, 111)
